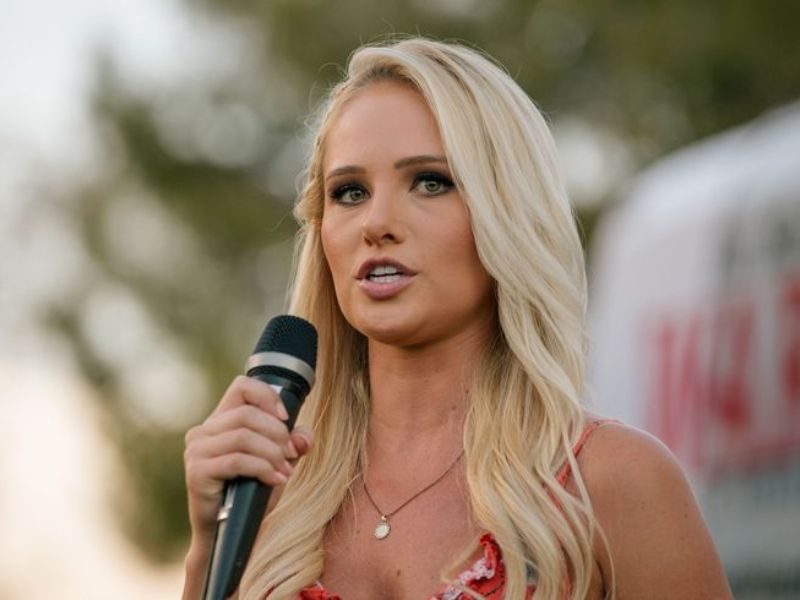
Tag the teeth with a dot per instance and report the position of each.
(383, 270)
(384, 274)
(384, 278)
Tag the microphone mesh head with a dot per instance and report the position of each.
(291, 335)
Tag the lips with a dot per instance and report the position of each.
(383, 288)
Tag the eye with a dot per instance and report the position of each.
(432, 184)
(349, 193)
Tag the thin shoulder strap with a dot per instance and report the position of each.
(566, 470)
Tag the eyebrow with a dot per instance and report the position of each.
(400, 164)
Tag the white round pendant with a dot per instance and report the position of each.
(382, 530)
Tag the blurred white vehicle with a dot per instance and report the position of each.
(695, 333)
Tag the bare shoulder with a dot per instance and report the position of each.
(634, 480)
(658, 541)
(616, 454)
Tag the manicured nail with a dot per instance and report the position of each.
(282, 412)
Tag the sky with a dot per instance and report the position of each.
(57, 470)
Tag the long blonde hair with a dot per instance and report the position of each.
(524, 411)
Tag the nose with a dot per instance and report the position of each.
(383, 220)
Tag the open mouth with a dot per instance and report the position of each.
(384, 277)
(384, 274)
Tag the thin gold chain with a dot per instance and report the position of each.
(419, 493)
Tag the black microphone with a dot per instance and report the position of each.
(284, 357)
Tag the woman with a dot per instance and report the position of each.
(451, 458)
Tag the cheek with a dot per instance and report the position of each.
(459, 256)
(334, 254)
(329, 245)
(324, 241)
(463, 243)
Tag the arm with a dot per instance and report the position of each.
(660, 545)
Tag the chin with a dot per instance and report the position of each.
(389, 335)
(393, 330)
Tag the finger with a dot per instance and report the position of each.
(235, 465)
(291, 453)
(245, 441)
(246, 390)
(302, 438)
(248, 417)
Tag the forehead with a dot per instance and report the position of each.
(384, 120)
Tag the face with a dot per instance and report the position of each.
(395, 231)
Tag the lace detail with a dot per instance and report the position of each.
(486, 576)
(317, 592)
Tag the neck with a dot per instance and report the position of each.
(419, 395)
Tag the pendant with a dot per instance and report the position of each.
(382, 529)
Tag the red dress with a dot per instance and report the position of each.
(487, 575)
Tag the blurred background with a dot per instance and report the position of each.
(149, 155)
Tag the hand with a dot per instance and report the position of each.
(245, 436)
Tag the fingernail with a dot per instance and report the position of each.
(282, 413)
(287, 468)
(281, 477)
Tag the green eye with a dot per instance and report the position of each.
(432, 184)
(349, 194)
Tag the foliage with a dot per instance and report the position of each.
(655, 74)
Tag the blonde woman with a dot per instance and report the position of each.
(445, 453)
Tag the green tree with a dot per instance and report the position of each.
(189, 220)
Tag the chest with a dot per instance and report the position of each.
(427, 536)
(432, 537)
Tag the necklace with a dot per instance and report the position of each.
(383, 528)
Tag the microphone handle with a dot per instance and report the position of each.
(243, 504)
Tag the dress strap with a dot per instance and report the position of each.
(566, 469)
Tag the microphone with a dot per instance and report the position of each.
(284, 357)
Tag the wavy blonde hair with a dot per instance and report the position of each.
(524, 411)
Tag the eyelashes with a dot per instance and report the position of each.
(432, 184)
(348, 193)
(427, 184)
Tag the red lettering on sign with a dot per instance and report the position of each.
(680, 387)
(714, 398)
(731, 396)
(789, 323)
